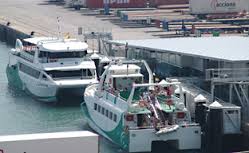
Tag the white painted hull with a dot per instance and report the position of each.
(41, 91)
(135, 140)
(187, 137)
(48, 91)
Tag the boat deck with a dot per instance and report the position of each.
(141, 109)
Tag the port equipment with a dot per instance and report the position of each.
(238, 81)
(99, 35)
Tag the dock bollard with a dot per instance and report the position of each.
(214, 130)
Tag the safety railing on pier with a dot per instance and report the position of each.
(227, 74)
(238, 80)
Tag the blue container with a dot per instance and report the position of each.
(165, 25)
(125, 17)
(107, 9)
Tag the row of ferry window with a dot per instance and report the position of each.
(86, 73)
(28, 70)
(106, 112)
(72, 54)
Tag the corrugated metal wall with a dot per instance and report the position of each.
(131, 3)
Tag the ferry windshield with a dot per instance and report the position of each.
(126, 83)
(56, 55)
(81, 74)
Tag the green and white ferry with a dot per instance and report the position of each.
(136, 115)
(46, 67)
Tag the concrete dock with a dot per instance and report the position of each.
(40, 16)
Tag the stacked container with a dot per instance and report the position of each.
(132, 3)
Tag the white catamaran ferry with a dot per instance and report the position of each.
(136, 115)
(47, 67)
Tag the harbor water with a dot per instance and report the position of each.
(21, 114)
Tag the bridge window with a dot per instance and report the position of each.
(106, 113)
(103, 111)
(56, 55)
(115, 118)
(110, 115)
(83, 74)
(95, 106)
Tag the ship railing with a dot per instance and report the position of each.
(73, 77)
(227, 74)
(141, 127)
(151, 86)
(27, 57)
(163, 99)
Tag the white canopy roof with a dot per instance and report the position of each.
(69, 66)
(123, 67)
(36, 40)
(229, 48)
(128, 75)
(50, 44)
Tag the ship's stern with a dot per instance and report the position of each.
(184, 138)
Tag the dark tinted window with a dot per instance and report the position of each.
(61, 74)
(71, 54)
(115, 118)
(95, 106)
(84, 73)
(110, 115)
(28, 70)
(106, 113)
(103, 111)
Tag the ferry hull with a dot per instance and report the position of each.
(49, 93)
(140, 139)
(37, 91)
(13, 77)
(118, 135)
(70, 92)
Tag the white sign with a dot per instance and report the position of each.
(218, 6)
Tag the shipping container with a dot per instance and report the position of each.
(218, 6)
(61, 142)
(77, 4)
(168, 2)
(132, 3)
